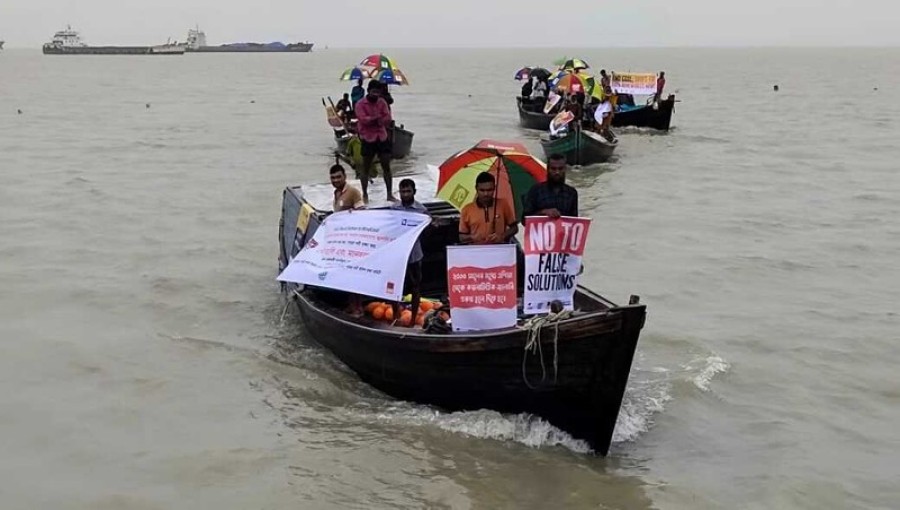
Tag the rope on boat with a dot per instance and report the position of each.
(287, 302)
(535, 326)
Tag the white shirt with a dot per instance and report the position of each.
(603, 109)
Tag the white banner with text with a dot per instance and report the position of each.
(364, 252)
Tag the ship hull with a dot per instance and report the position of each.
(254, 48)
(109, 50)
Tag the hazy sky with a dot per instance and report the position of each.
(479, 23)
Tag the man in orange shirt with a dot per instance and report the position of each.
(489, 219)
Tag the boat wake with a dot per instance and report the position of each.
(708, 369)
(645, 396)
(526, 429)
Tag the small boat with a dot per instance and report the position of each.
(580, 147)
(655, 116)
(400, 147)
(532, 116)
(1, 44)
(658, 116)
(401, 142)
(592, 350)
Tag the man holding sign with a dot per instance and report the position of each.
(554, 240)
(553, 198)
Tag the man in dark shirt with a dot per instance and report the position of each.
(553, 198)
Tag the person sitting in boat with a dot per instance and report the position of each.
(345, 195)
(489, 219)
(540, 91)
(553, 198)
(374, 120)
(527, 89)
(344, 108)
(357, 93)
(413, 283)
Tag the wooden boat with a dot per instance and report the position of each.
(658, 117)
(491, 369)
(532, 116)
(580, 147)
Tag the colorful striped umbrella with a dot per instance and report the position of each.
(390, 77)
(378, 61)
(574, 64)
(515, 170)
(570, 82)
(354, 73)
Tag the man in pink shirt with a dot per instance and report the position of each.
(374, 119)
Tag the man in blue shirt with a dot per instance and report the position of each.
(414, 264)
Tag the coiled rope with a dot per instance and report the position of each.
(535, 326)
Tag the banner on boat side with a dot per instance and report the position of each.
(638, 84)
(553, 250)
(482, 286)
(364, 252)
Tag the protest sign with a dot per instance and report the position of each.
(482, 286)
(553, 251)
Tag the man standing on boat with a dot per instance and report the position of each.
(373, 121)
(660, 85)
(604, 80)
(345, 195)
(553, 198)
(489, 219)
(357, 92)
(346, 198)
(408, 202)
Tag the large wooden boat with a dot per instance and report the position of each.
(655, 116)
(492, 369)
(659, 116)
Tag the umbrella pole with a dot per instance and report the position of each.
(496, 191)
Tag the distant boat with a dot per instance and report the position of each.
(658, 116)
(196, 43)
(68, 42)
(580, 147)
(1, 44)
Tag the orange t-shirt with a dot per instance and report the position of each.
(480, 223)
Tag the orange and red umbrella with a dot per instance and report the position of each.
(513, 167)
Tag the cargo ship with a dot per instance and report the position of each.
(196, 43)
(68, 42)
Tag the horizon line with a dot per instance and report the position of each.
(319, 47)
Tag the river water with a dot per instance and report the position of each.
(145, 363)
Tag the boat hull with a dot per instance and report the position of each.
(254, 48)
(401, 143)
(458, 373)
(647, 116)
(110, 50)
(530, 118)
(644, 116)
(580, 148)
